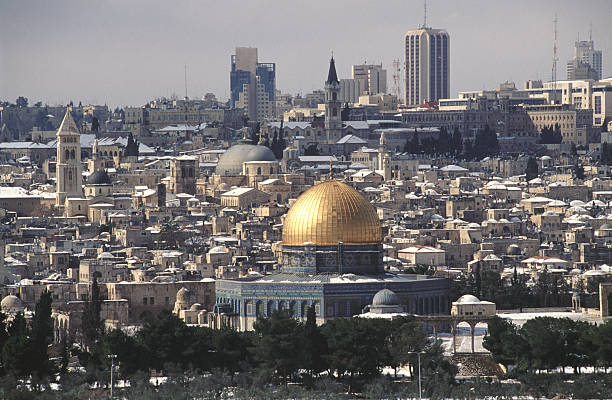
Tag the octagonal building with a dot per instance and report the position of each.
(332, 259)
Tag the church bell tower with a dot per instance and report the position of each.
(333, 118)
(69, 168)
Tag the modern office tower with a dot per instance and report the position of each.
(252, 84)
(373, 76)
(351, 89)
(427, 65)
(586, 63)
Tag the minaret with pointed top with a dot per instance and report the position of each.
(333, 118)
(384, 159)
(68, 168)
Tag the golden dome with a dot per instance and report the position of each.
(331, 212)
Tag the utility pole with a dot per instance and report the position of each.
(418, 353)
(185, 81)
(554, 61)
(112, 358)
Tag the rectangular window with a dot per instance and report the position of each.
(144, 301)
(152, 300)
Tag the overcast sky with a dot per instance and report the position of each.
(128, 52)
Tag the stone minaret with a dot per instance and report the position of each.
(69, 168)
(384, 159)
(333, 117)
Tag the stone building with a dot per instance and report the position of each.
(183, 175)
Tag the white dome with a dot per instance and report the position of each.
(468, 298)
(12, 304)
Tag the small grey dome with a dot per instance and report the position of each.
(513, 250)
(183, 296)
(230, 162)
(99, 177)
(12, 304)
(385, 297)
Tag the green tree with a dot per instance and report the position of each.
(164, 341)
(579, 171)
(406, 337)
(314, 345)
(532, 170)
(545, 344)
(357, 346)
(95, 125)
(500, 333)
(551, 135)
(91, 323)
(21, 101)
(277, 345)
(486, 143)
(231, 350)
(438, 371)
(603, 340)
(40, 337)
(457, 142)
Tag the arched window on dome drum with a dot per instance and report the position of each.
(293, 308)
(281, 305)
(259, 171)
(259, 311)
(270, 307)
(304, 309)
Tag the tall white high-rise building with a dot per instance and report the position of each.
(374, 77)
(427, 55)
(252, 84)
(586, 63)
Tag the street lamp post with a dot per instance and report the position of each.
(418, 353)
(112, 358)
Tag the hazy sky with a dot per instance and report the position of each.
(126, 52)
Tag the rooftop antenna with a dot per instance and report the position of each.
(591, 31)
(425, 14)
(185, 81)
(554, 60)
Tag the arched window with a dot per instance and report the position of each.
(271, 170)
(72, 155)
(67, 154)
(304, 309)
(191, 172)
(183, 172)
(70, 175)
(270, 307)
(258, 170)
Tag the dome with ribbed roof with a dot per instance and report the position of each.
(329, 213)
(99, 177)
(12, 304)
(385, 297)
